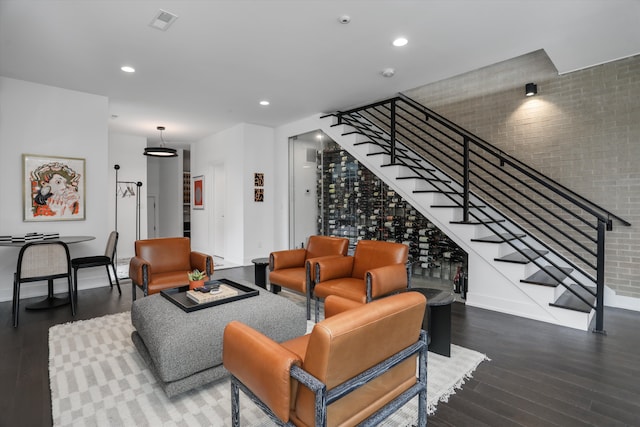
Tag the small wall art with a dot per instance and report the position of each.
(198, 192)
(258, 190)
(53, 188)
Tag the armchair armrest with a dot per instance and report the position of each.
(261, 364)
(333, 268)
(384, 280)
(202, 262)
(287, 259)
(334, 304)
(310, 265)
(137, 274)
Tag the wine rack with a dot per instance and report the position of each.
(354, 203)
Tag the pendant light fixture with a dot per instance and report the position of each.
(160, 151)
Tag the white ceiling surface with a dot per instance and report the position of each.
(220, 58)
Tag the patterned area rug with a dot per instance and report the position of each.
(97, 378)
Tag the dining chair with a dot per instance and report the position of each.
(39, 261)
(106, 260)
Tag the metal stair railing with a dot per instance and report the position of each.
(469, 171)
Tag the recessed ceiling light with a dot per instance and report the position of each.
(128, 69)
(388, 72)
(264, 103)
(400, 41)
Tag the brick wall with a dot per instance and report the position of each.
(582, 129)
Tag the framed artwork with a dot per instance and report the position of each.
(53, 188)
(258, 184)
(258, 194)
(198, 192)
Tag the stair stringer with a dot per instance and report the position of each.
(492, 285)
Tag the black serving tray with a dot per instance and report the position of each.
(178, 296)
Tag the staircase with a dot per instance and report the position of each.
(535, 249)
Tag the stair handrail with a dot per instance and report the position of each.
(603, 216)
(557, 187)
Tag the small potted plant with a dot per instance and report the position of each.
(196, 278)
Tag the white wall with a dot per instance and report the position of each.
(169, 195)
(240, 151)
(45, 120)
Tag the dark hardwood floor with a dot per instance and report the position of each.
(539, 374)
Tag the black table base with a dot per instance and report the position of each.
(51, 301)
(260, 274)
(437, 319)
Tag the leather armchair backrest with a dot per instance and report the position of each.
(165, 254)
(350, 342)
(374, 253)
(318, 246)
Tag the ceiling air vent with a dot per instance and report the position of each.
(163, 20)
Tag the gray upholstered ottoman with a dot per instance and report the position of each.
(184, 350)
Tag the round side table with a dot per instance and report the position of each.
(437, 319)
(260, 271)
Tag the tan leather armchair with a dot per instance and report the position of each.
(376, 269)
(294, 268)
(164, 263)
(358, 365)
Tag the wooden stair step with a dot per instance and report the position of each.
(571, 302)
(498, 238)
(542, 278)
(520, 258)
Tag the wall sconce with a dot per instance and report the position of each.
(530, 89)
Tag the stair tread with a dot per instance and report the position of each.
(498, 238)
(478, 221)
(541, 277)
(435, 191)
(459, 206)
(519, 258)
(571, 302)
(423, 178)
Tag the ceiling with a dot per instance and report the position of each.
(210, 69)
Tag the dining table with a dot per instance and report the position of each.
(50, 301)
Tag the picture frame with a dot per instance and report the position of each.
(198, 192)
(258, 194)
(258, 179)
(53, 188)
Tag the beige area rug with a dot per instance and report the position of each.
(97, 378)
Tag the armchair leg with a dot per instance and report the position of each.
(235, 404)
(133, 291)
(308, 306)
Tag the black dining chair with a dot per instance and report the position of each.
(39, 261)
(105, 260)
